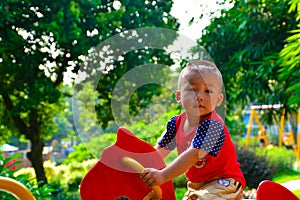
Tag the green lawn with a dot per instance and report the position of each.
(285, 176)
(180, 192)
(297, 193)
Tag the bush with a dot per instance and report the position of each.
(67, 179)
(8, 168)
(282, 158)
(256, 168)
(96, 144)
(64, 180)
(80, 154)
(180, 181)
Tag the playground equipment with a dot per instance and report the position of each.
(156, 192)
(254, 116)
(15, 188)
(269, 190)
(285, 137)
(116, 174)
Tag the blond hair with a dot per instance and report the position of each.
(200, 66)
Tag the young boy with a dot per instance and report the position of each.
(207, 155)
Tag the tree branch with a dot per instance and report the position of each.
(21, 126)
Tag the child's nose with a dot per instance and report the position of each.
(199, 95)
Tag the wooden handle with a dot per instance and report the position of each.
(156, 193)
(16, 188)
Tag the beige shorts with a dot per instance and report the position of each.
(217, 189)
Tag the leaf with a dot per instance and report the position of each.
(13, 157)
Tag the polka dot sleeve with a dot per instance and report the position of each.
(210, 137)
(167, 140)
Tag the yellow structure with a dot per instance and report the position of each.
(285, 137)
(261, 135)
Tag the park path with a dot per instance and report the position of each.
(292, 185)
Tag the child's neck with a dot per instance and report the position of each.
(191, 122)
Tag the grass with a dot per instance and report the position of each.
(297, 193)
(180, 192)
(287, 175)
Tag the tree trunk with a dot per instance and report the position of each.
(36, 154)
(33, 133)
(36, 158)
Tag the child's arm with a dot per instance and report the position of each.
(182, 163)
(162, 151)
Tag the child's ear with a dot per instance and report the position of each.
(220, 99)
(178, 96)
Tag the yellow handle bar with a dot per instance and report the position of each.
(156, 193)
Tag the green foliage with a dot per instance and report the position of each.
(67, 178)
(256, 168)
(8, 164)
(290, 59)
(151, 131)
(281, 158)
(180, 181)
(235, 125)
(96, 145)
(180, 192)
(151, 121)
(41, 41)
(78, 155)
(148, 125)
(245, 41)
(6, 196)
(64, 180)
(6, 169)
(267, 164)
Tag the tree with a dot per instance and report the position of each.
(290, 60)
(245, 42)
(5, 132)
(43, 40)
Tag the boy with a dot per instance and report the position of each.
(207, 155)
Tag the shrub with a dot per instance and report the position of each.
(256, 168)
(282, 158)
(180, 181)
(8, 168)
(80, 154)
(67, 178)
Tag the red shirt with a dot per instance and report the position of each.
(221, 162)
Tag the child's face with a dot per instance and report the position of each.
(200, 92)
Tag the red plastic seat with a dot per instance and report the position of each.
(269, 190)
(110, 179)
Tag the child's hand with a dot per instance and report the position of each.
(152, 177)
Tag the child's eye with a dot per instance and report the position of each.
(208, 91)
(190, 90)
